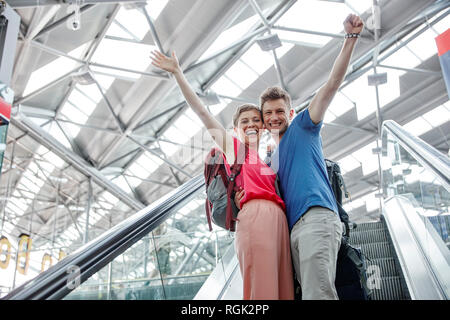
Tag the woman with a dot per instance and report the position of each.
(262, 236)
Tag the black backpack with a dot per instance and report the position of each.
(351, 266)
(337, 184)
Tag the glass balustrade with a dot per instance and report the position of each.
(171, 262)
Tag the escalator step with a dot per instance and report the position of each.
(391, 289)
(369, 226)
(376, 250)
(386, 267)
(369, 236)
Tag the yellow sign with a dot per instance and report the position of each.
(23, 256)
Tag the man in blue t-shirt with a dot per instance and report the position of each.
(311, 208)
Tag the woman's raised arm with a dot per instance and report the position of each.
(215, 129)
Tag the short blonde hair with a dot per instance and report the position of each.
(243, 108)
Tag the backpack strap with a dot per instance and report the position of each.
(235, 170)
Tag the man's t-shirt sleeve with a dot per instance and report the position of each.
(303, 120)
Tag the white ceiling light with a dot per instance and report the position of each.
(83, 77)
(269, 42)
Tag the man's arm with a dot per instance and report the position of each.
(321, 101)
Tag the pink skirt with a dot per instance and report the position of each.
(263, 250)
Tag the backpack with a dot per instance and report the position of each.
(219, 204)
(351, 267)
(337, 184)
(351, 274)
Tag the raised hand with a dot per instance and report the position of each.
(353, 24)
(164, 62)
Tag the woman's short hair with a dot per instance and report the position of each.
(243, 108)
(274, 93)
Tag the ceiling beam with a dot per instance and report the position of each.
(23, 123)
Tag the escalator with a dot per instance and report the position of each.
(165, 251)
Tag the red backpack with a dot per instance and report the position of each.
(220, 188)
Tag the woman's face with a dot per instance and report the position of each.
(250, 127)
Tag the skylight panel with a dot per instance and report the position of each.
(186, 126)
(304, 15)
(437, 116)
(424, 45)
(362, 95)
(19, 204)
(360, 6)
(52, 71)
(366, 157)
(56, 133)
(174, 134)
(122, 183)
(390, 90)
(128, 55)
(226, 87)
(193, 116)
(402, 58)
(109, 198)
(340, 105)
(73, 114)
(230, 35)
(257, 59)
(155, 7)
(168, 148)
(216, 109)
(137, 170)
(26, 183)
(329, 117)
(241, 74)
(83, 103)
(303, 38)
(442, 25)
(348, 163)
(132, 20)
(417, 126)
(371, 202)
(116, 30)
(91, 91)
(281, 51)
(54, 159)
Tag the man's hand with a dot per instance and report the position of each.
(353, 24)
(161, 61)
(238, 197)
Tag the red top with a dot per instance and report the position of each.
(256, 178)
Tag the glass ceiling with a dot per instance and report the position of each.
(131, 26)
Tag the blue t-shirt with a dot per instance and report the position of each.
(301, 168)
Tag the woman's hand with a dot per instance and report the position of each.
(169, 64)
(238, 197)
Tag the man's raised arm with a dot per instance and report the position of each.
(353, 26)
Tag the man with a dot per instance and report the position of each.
(311, 208)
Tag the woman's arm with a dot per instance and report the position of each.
(215, 129)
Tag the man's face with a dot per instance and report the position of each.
(277, 116)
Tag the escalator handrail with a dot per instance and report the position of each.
(93, 256)
(425, 154)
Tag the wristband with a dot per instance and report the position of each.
(352, 35)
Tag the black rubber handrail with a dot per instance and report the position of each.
(56, 282)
